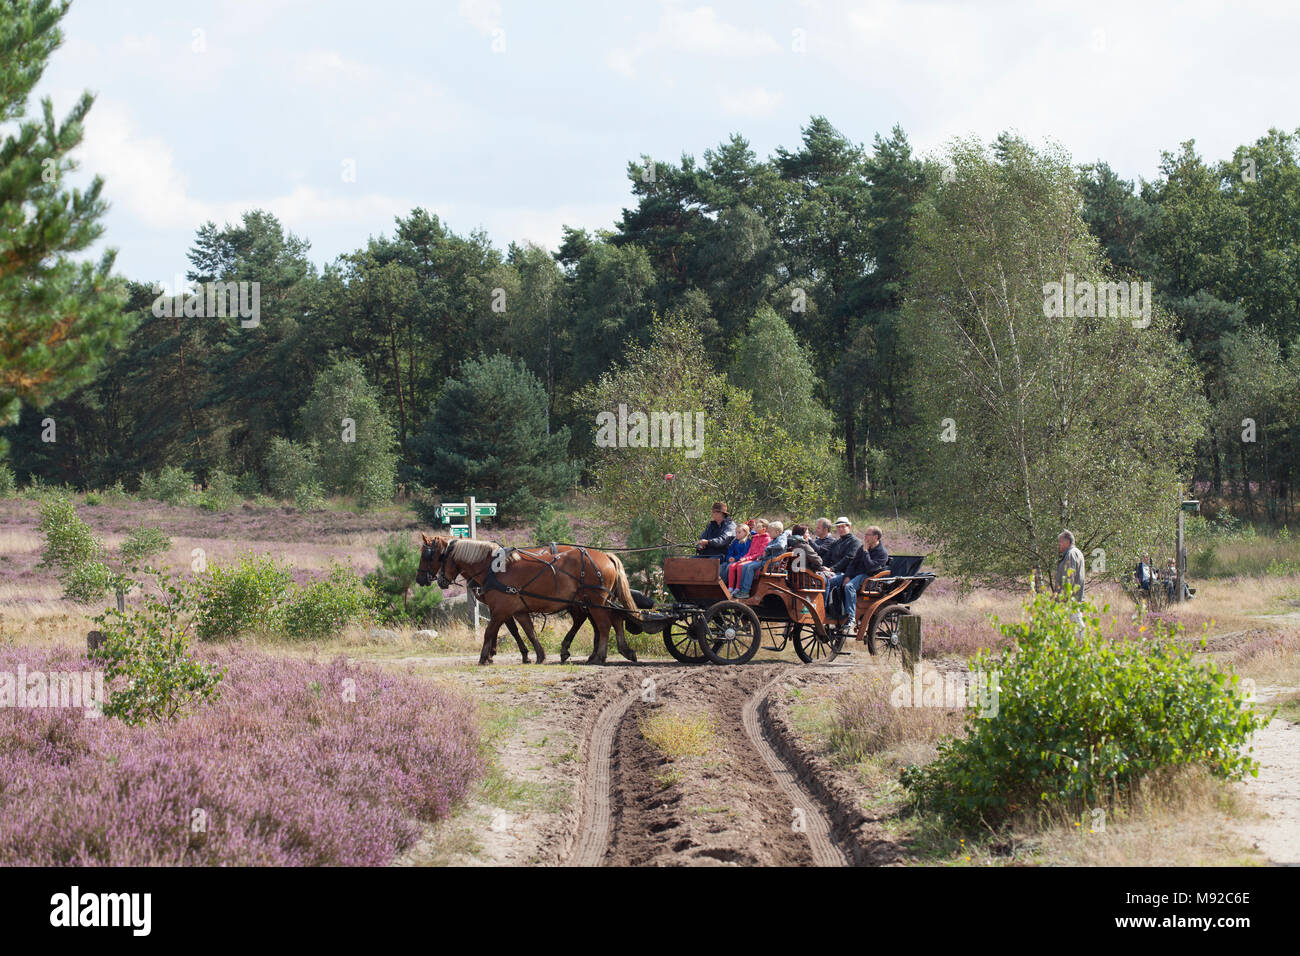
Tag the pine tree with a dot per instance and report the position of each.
(57, 317)
(487, 437)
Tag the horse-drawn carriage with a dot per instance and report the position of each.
(705, 623)
(787, 603)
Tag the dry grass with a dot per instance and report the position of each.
(1245, 556)
(678, 735)
(870, 719)
(1173, 819)
(1271, 658)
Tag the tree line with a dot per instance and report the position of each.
(809, 278)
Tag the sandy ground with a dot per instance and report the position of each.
(1276, 790)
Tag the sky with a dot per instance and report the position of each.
(518, 118)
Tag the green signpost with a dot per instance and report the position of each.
(472, 510)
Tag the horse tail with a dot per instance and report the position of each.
(623, 590)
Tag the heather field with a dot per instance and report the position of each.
(297, 763)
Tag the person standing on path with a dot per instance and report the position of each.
(1070, 575)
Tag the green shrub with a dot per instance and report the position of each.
(72, 551)
(146, 654)
(220, 494)
(323, 607)
(550, 526)
(641, 566)
(8, 484)
(399, 561)
(1204, 560)
(289, 466)
(248, 485)
(37, 489)
(377, 490)
(68, 539)
(1080, 719)
(115, 494)
(143, 543)
(242, 598)
(86, 583)
(309, 496)
(172, 485)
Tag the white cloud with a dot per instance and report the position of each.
(329, 68)
(483, 15)
(147, 45)
(142, 180)
(540, 225)
(755, 101)
(698, 32)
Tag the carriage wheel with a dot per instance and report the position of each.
(732, 633)
(884, 636)
(685, 646)
(813, 649)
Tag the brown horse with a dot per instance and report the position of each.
(579, 617)
(523, 582)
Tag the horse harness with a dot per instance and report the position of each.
(491, 582)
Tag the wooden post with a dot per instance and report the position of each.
(121, 600)
(909, 637)
(1180, 557)
(469, 594)
(1180, 551)
(94, 639)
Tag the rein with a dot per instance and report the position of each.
(490, 582)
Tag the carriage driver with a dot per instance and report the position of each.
(717, 535)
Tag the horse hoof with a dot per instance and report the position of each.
(564, 656)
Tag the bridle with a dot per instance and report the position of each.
(444, 581)
(428, 553)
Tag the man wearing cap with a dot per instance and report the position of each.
(845, 547)
(718, 534)
(840, 555)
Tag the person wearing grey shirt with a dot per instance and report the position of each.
(1070, 572)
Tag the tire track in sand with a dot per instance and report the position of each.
(816, 825)
(594, 818)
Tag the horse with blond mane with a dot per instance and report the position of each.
(516, 583)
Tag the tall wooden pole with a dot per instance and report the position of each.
(1180, 555)
(473, 535)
